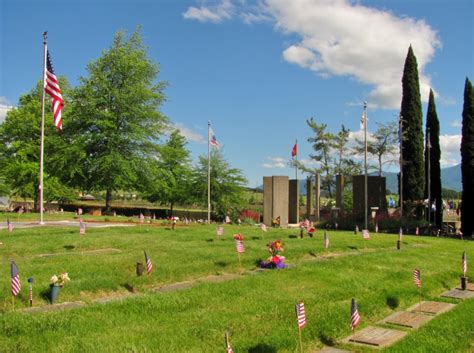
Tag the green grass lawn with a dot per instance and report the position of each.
(257, 308)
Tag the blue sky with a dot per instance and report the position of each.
(258, 69)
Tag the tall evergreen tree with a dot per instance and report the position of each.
(413, 141)
(432, 126)
(467, 161)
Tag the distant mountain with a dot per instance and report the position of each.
(450, 179)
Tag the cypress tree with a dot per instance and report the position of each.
(432, 125)
(467, 161)
(413, 141)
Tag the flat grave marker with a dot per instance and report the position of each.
(376, 336)
(458, 294)
(431, 307)
(407, 319)
(332, 350)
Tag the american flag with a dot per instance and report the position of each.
(82, 227)
(417, 277)
(220, 231)
(30, 295)
(51, 87)
(355, 317)
(365, 234)
(464, 263)
(326, 240)
(9, 225)
(149, 265)
(142, 218)
(239, 245)
(400, 234)
(417, 231)
(212, 138)
(300, 315)
(263, 227)
(294, 151)
(16, 284)
(229, 349)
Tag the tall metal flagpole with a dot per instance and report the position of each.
(400, 130)
(297, 185)
(428, 173)
(45, 44)
(208, 172)
(365, 164)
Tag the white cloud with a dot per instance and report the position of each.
(214, 12)
(276, 162)
(450, 146)
(189, 134)
(5, 106)
(344, 38)
(456, 123)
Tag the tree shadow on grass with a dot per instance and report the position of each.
(256, 238)
(353, 247)
(292, 236)
(262, 348)
(221, 263)
(129, 287)
(312, 253)
(392, 301)
(68, 247)
(210, 240)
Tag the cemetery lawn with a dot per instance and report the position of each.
(256, 307)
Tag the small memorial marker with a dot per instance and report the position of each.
(376, 336)
(408, 319)
(458, 294)
(332, 350)
(430, 307)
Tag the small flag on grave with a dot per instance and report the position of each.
(300, 315)
(356, 230)
(142, 218)
(336, 225)
(9, 225)
(417, 277)
(30, 295)
(79, 211)
(464, 264)
(400, 234)
(326, 240)
(417, 231)
(220, 231)
(149, 265)
(239, 245)
(365, 234)
(376, 227)
(82, 227)
(227, 343)
(355, 317)
(15, 278)
(263, 227)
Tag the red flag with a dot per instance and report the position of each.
(294, 151)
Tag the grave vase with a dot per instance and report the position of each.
(54, 293)
(463, 283)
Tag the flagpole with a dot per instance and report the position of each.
(428, 147)
(301, 341)
(45, 45)
(208, 172)
(400, 130)
(297, 185)
(365, 164)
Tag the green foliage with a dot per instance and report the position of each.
(227, 185)
(115, 123)
(331, 154)
(383, 145)
(20, 136)
(467, 160)
(412, 142)
(432, 126)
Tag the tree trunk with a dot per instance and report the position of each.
(171, 209)
(108, 200)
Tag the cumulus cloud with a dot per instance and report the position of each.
(188, 133)
(450, 150)
(276, 162)
(456, 123)
(5, 106)
(341, 38)
(210, 11)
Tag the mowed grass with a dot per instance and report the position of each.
(257, 308)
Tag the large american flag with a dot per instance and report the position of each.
(417, 277)
(355, 317)
(149, 265)
(239, 245)
(212, 138)
(464, 263)
(300, 315)
(16, 284)
(51, 87)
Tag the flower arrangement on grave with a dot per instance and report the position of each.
(275, 260)
(238, 237)
(59, 281)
